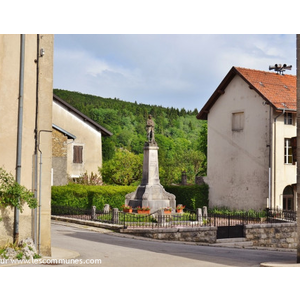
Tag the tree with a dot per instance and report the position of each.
(203, 139)
(124, 168)
(203, 148)
(108, 148)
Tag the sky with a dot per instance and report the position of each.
(169, 70)
(171, 53)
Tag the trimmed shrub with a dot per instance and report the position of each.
(85, 196)
(191, 196)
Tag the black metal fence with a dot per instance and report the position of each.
(161, 220)
(132, 220)
(244, 218)
(81, 213)
(277, 215)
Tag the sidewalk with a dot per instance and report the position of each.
(58, 255)
(279, 264)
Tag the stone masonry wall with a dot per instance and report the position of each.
(59, 158)
(59, 144)
(202, 234)
(277, 235)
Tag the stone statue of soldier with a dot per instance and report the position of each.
(150, 130)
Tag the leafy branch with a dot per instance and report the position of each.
(13, 194)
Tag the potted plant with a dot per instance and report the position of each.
(127, 208)
(143, 210)
(167, 210)
(179, 208)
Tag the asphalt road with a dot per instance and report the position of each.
(103, 248)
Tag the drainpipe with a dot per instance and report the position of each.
(40, 190)
(270, 158)
(275, 119)
(19, 134)
(36, 137)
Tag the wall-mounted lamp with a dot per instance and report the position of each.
(42, 52)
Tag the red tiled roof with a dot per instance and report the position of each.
(278, 90)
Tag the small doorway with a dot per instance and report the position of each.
(288, 198)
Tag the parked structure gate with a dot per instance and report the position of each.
(229, 226)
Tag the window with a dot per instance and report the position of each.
(288, 118)
(238, 121)
(287, 203)
(77, 154)
(288, 198)
(288, 151)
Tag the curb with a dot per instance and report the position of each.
(87, 222)
(280, 264)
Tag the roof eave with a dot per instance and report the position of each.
(64, 132)
(203, 114)
(103, 130)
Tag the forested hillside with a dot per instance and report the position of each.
(180, 136)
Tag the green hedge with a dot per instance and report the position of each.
(191, 196)
(85, 196)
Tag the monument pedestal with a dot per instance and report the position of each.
(150, 192)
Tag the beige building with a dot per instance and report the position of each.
(251, 128)
(26, 80)
(77, 143)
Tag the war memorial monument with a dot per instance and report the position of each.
(150, 193)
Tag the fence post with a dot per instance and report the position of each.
(106, 208)
(199, 215)
(205, 213)
(160, 217)
(93, 216)
(115, 216)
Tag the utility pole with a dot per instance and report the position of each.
(298, 144)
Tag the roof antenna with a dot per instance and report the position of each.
(280, 68)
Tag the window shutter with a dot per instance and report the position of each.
(77, 154)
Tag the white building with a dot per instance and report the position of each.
(251, 125)
(77, 143)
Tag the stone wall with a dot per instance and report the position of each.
(197, 234)
(59, 144)
(59, 158)
(277, 235)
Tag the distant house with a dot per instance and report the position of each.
(251, 140)
(76, 143)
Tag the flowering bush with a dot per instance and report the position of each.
(168, 209)
(126, 206)
(143, 208)
(86, 179)
(180, 206)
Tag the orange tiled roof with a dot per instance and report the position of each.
(279, 90)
